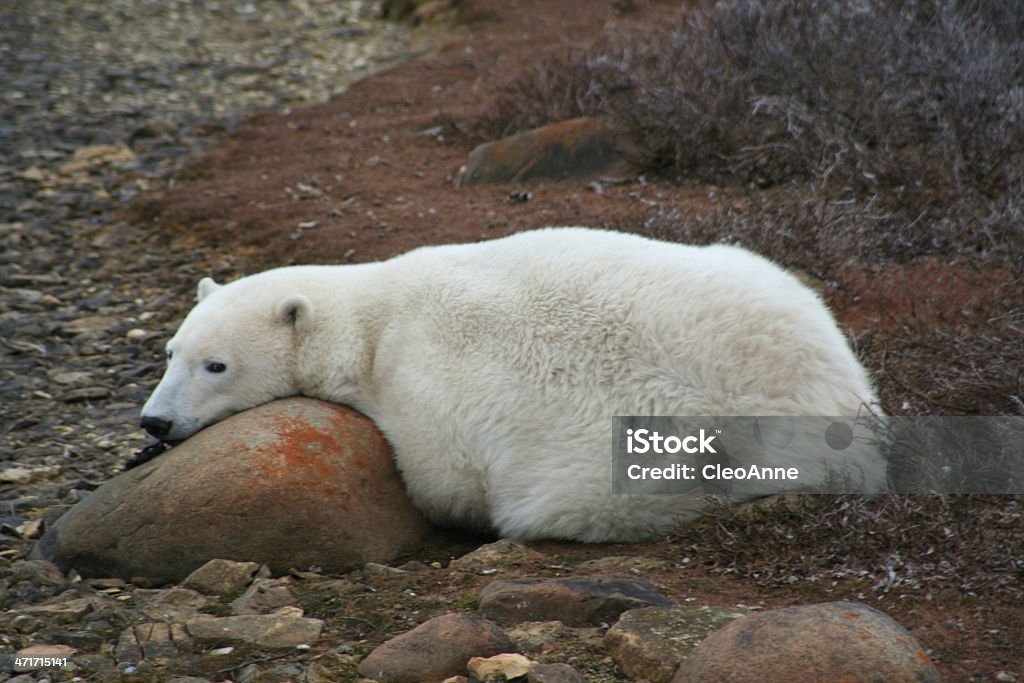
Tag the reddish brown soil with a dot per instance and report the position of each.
(371, 174)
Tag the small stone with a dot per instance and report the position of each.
(174, 604)
(67, 612)
(34, 174)
(74, 377)
(284, 628)
(502, 553)
(90, 325)
(436, 649)
(80, 640)
(585, 601)
(90, 157)
(499, 668)
(37, 572)
(264, 595)
(221, 577)
(46, 650)
(85, 394)
(41, 650)
(554, 673)
(135, 334)
(15, 475)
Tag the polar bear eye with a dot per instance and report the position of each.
(215, 366)
(170, 354)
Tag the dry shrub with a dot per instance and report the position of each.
(854, 94)
(801, 228)
(894, 543)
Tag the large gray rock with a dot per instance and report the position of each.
(291, 484)
(834, 641)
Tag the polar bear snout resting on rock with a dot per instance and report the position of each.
(494, 369)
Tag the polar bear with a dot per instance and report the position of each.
(494, 369)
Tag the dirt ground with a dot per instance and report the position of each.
(371, 174)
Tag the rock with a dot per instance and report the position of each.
(88, 158)
(587, 601)
(83, 641)
(62, 611)
(46, 650)
(220, 577)
(38, 572)
(264, 595)
(291, 484)
(537, 637)
(579, 150)
(152, 641)
(175, 604)
(834, 641)
(553, 673)
(498, 668)
(41, 650)
(503, 552)
(650, 642)
(436, 649)
(284, 628)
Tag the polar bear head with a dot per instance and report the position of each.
(235, 350)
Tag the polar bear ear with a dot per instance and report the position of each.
(206, 287)
(295, 310)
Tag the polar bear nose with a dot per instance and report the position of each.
(157, 427)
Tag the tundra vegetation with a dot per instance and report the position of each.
(862, 143)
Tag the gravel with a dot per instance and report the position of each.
(103, 99)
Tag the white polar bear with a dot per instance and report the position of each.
(494, 369)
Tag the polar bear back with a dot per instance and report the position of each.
(503, 363)
(706, 330)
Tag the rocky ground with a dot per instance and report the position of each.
(101, 102)
(111, 214)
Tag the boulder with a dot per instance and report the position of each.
(835, 641)
(294, 483)
(579, 150)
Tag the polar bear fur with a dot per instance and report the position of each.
(494, 369)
